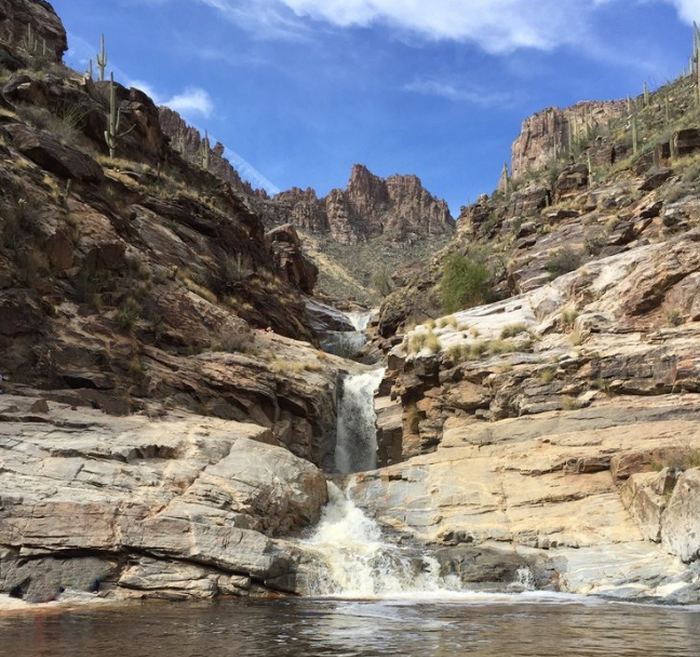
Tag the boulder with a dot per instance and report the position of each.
(48, 153)
(680, 528)
(204, 498)
(288, 255)
(686, 141)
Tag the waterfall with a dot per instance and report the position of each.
(360, 320)
(356, 435)
(352, 557)
(348, 344)
(356, 562)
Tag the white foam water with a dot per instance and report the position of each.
(356, 433)
(356, 562)
(359, 320)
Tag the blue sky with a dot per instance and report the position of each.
(300, 90)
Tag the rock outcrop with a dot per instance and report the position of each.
(178, 507)
(189, 143)
(553, 131)
(32, 29)
(290, 259)
(561, 423)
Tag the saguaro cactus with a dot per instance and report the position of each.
(112, 134)
(205, 151)
(635, 134)
(31, 43)
(101, 58)
(646, 95)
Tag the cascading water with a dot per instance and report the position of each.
(354, 560)
(358, 563)
(348, 344)
(360, 320)
(356, 435)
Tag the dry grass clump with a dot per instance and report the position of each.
(512, 330)
(427, 340)
(482, 348)
(450, 320)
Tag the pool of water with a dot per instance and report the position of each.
(501, 627)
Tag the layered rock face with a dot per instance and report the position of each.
(162, 403)
(398, 207)
(560, 425)
(179, 507)
(188, 141)
(46, 28)
(549, 133)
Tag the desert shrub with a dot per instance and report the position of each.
(562, 262)
(128, 314)
(432, 343)
(466, 282)
(546, 376)
(577, 337)
(451, 320)
(681, 457)
(595, 242)
(234, 338)
(674, 317)
(382, 283)
(423, 340)
(512, 330)
(568, 317)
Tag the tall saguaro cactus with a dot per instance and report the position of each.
(635, 134)
(31, 43)
(114, 119)
(206, 148)
(696, 58)
(102, 58)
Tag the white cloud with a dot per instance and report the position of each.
(250, 173)
(191, 101)
(689, 10)
(456, 93)
(497, 26)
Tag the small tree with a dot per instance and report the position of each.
(381, 281)
(466, 282)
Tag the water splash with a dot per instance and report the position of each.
(356, 435)
(359, 320)
(356, 562)
(348, 344)
(524, 579)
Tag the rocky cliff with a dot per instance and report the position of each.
(398, 207)
(190, 144)
(30, 27)
(557, 425)
(166, 417)
(554, 131)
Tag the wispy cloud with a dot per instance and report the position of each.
(459, 94)
(689, 10)
(496, 26)
(250, 173)
(192, 101)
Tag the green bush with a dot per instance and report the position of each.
(466, 282)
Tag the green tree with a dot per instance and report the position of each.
(466, 282)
